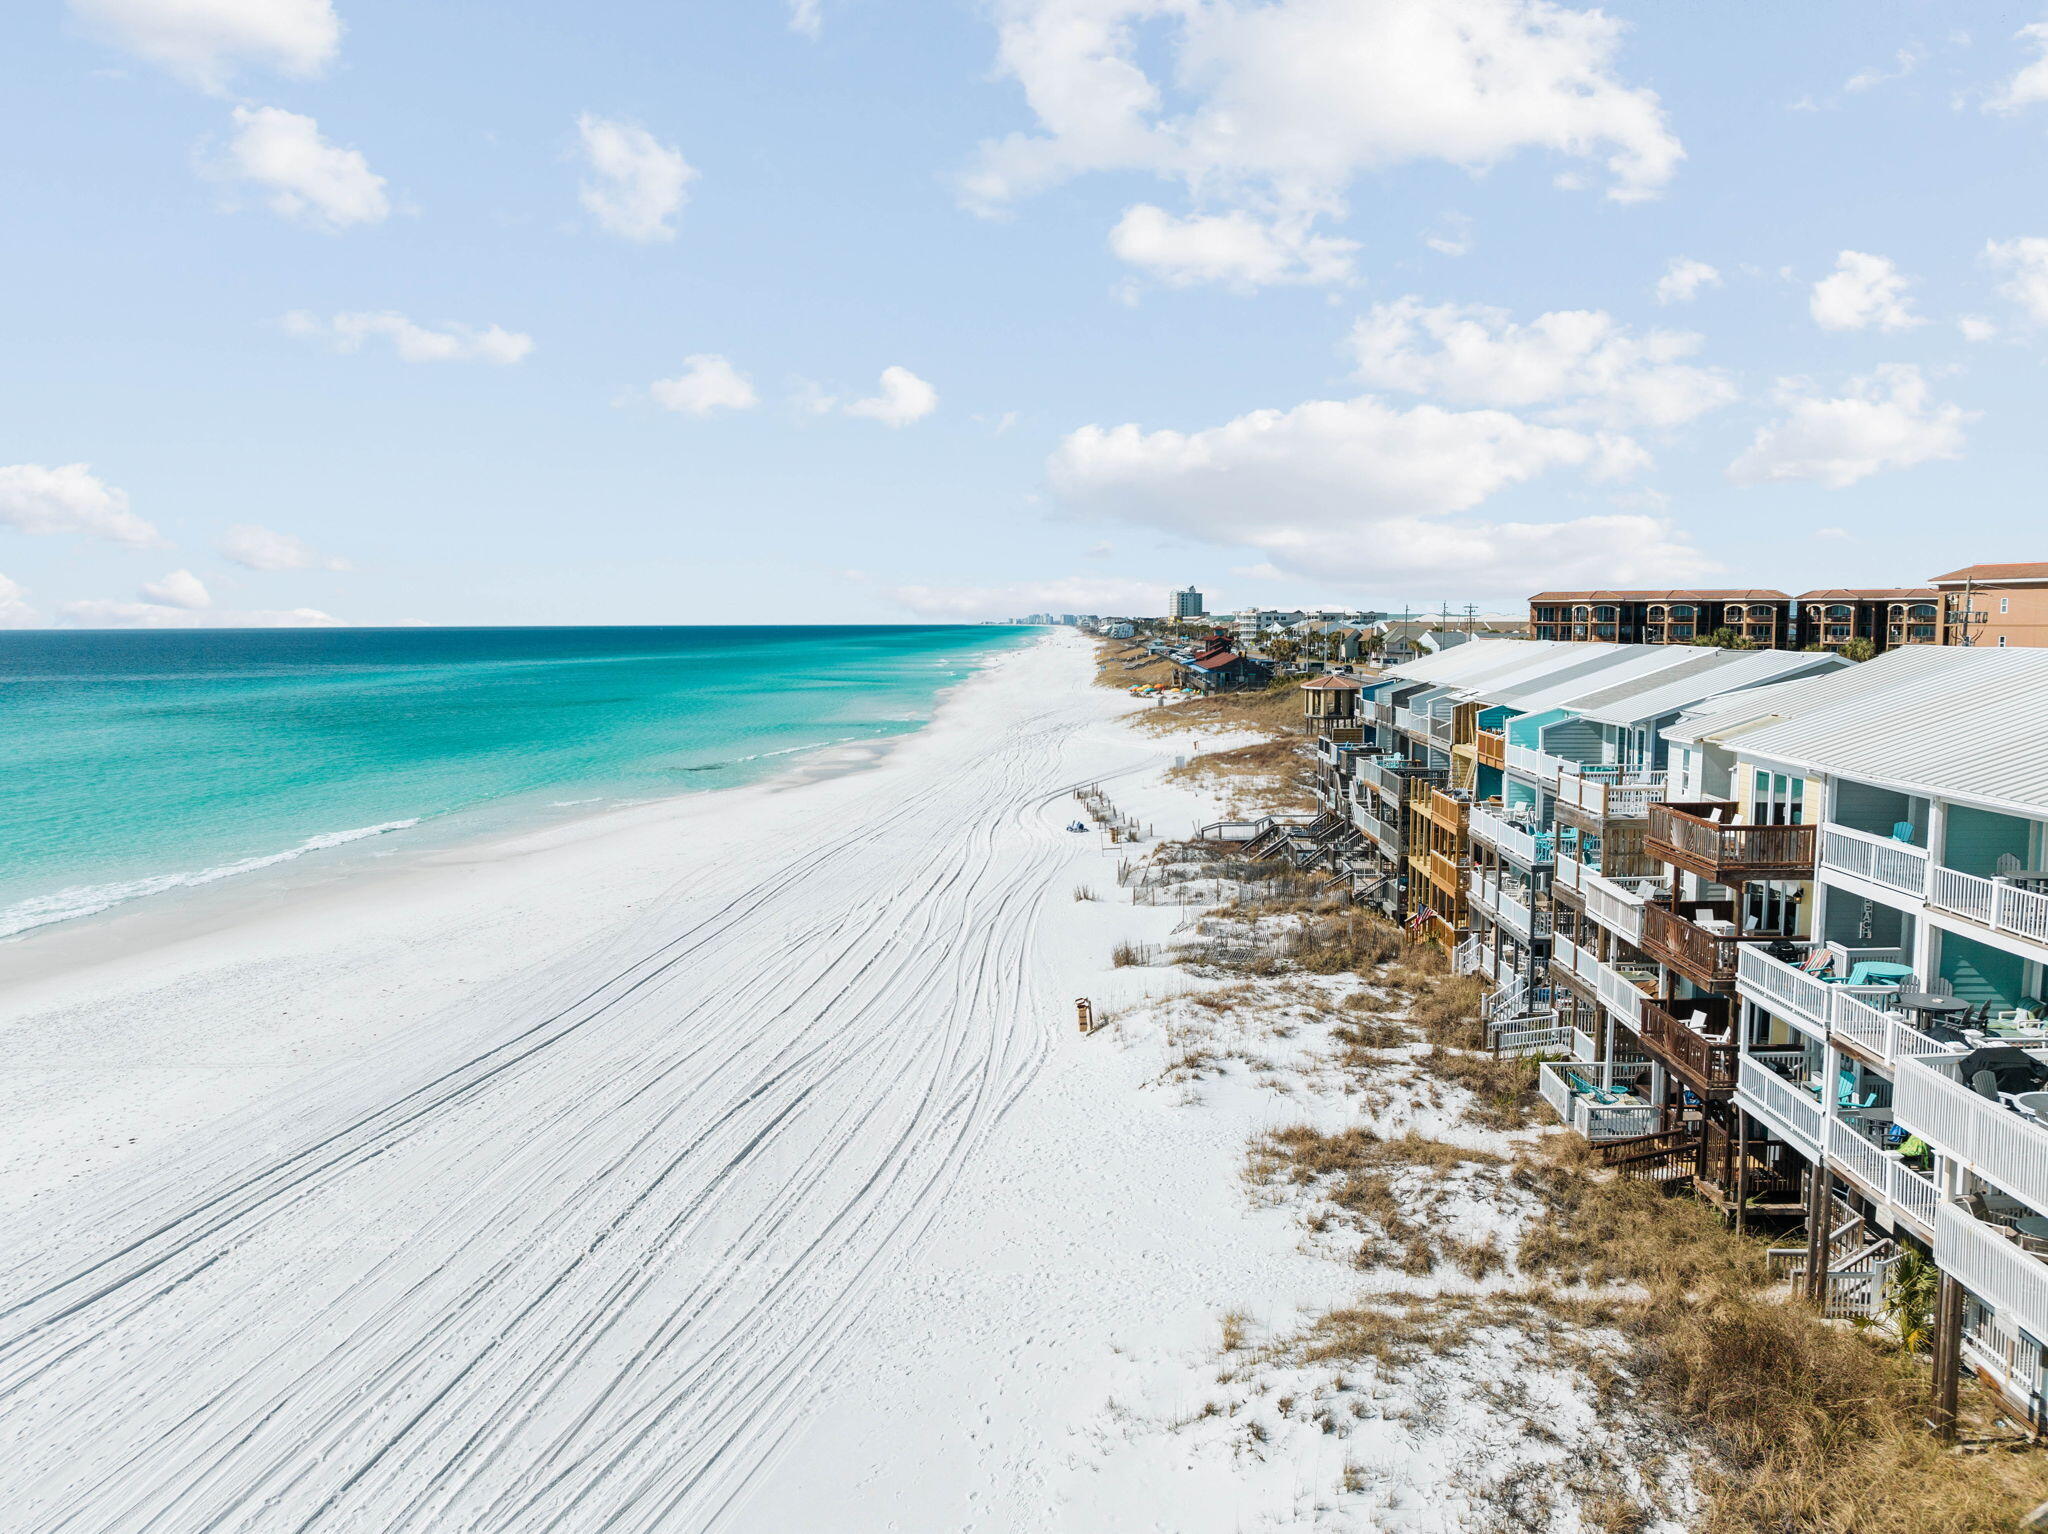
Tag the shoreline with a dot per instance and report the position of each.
(47, 954)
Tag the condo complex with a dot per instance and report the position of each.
(1776, 923)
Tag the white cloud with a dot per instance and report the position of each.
(203, 41)
(904, 398)
(1581, 363)
(15, 613)
(1834, 535)
(1453, 237)
(181, 588)
(636, 182)
(2025, 263)
(2030, 85)
(1904, 62)
(101, 614)
(1885, 420)
(806, 18)
(412, 342)
(1236, 248)
(1975, 327)
(1014, 599)
(69, 499)
(310, 180)
(259, 548)
(1683, 279)
(707, 382)
(1277, 105)
(1862, 291)
(1361, 490)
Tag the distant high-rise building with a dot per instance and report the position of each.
(1188, 603)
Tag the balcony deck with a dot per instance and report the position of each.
(1708, 1065)
(1707, 958)
(1702, 839)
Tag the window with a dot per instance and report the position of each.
(2005, 604)
(1682, 614)
(1605, 614)
(1780, 800)
(2001, 641)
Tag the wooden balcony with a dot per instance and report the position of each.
(1707, 1064)
(1446, 873)
(1492, 747)
(1701, 839)
(1704, 957)
(1447, 810)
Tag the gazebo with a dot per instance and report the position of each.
(1329, 704)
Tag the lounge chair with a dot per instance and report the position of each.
(1902, 831)
(1877, 972)
(1985, 1084)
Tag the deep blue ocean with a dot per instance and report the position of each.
(137, 762)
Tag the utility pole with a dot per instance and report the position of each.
(1961, 621)
(1471, 616)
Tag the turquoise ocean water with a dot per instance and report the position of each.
(134, 763)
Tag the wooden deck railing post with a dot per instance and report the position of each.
(1948, 1356)
(1818, 1211)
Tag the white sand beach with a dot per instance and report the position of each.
(731, 1162)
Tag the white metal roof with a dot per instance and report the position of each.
(1478, 658)
(1968, 724)
(1566, 688)
(1725, 671)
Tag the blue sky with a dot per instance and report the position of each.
(727, 313)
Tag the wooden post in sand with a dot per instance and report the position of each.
(1084, 1009)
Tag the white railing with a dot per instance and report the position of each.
(1909, 1043)
(1862, 1158)
(1407, 719)
(1619, 994)
(1476, 893)
(1913, 1192)
(1508, 838)
(1583, 1047)
(1994, 903)
(1514, 914)
(1619, 796)
(1880, 860)
(1375, 712)
(1783, 989)
(1539, 1038)
(1789, 1110)
(1565, 954)
(1466, 960)
(1616, 908)
(1961, 894)
(1596, 1121)
(1856, 1019)
(1541, 765)
(1991, 1139)
(1440, 727)
(1571, 874)
(1992, 1268)
(1996, 1345)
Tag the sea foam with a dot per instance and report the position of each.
(88, 899)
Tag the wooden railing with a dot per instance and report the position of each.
(1693, 838)
(1708, 1066)
(1705, 958)
(1662, 1156)
(1447, 810)
(1769, 1173)
(1492, 747)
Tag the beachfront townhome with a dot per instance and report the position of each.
(1825, 1002)
(1409, 782)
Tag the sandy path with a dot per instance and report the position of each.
(574, 1251)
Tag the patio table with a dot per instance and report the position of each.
(1927, 1004)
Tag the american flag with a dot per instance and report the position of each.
(1421, 919)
